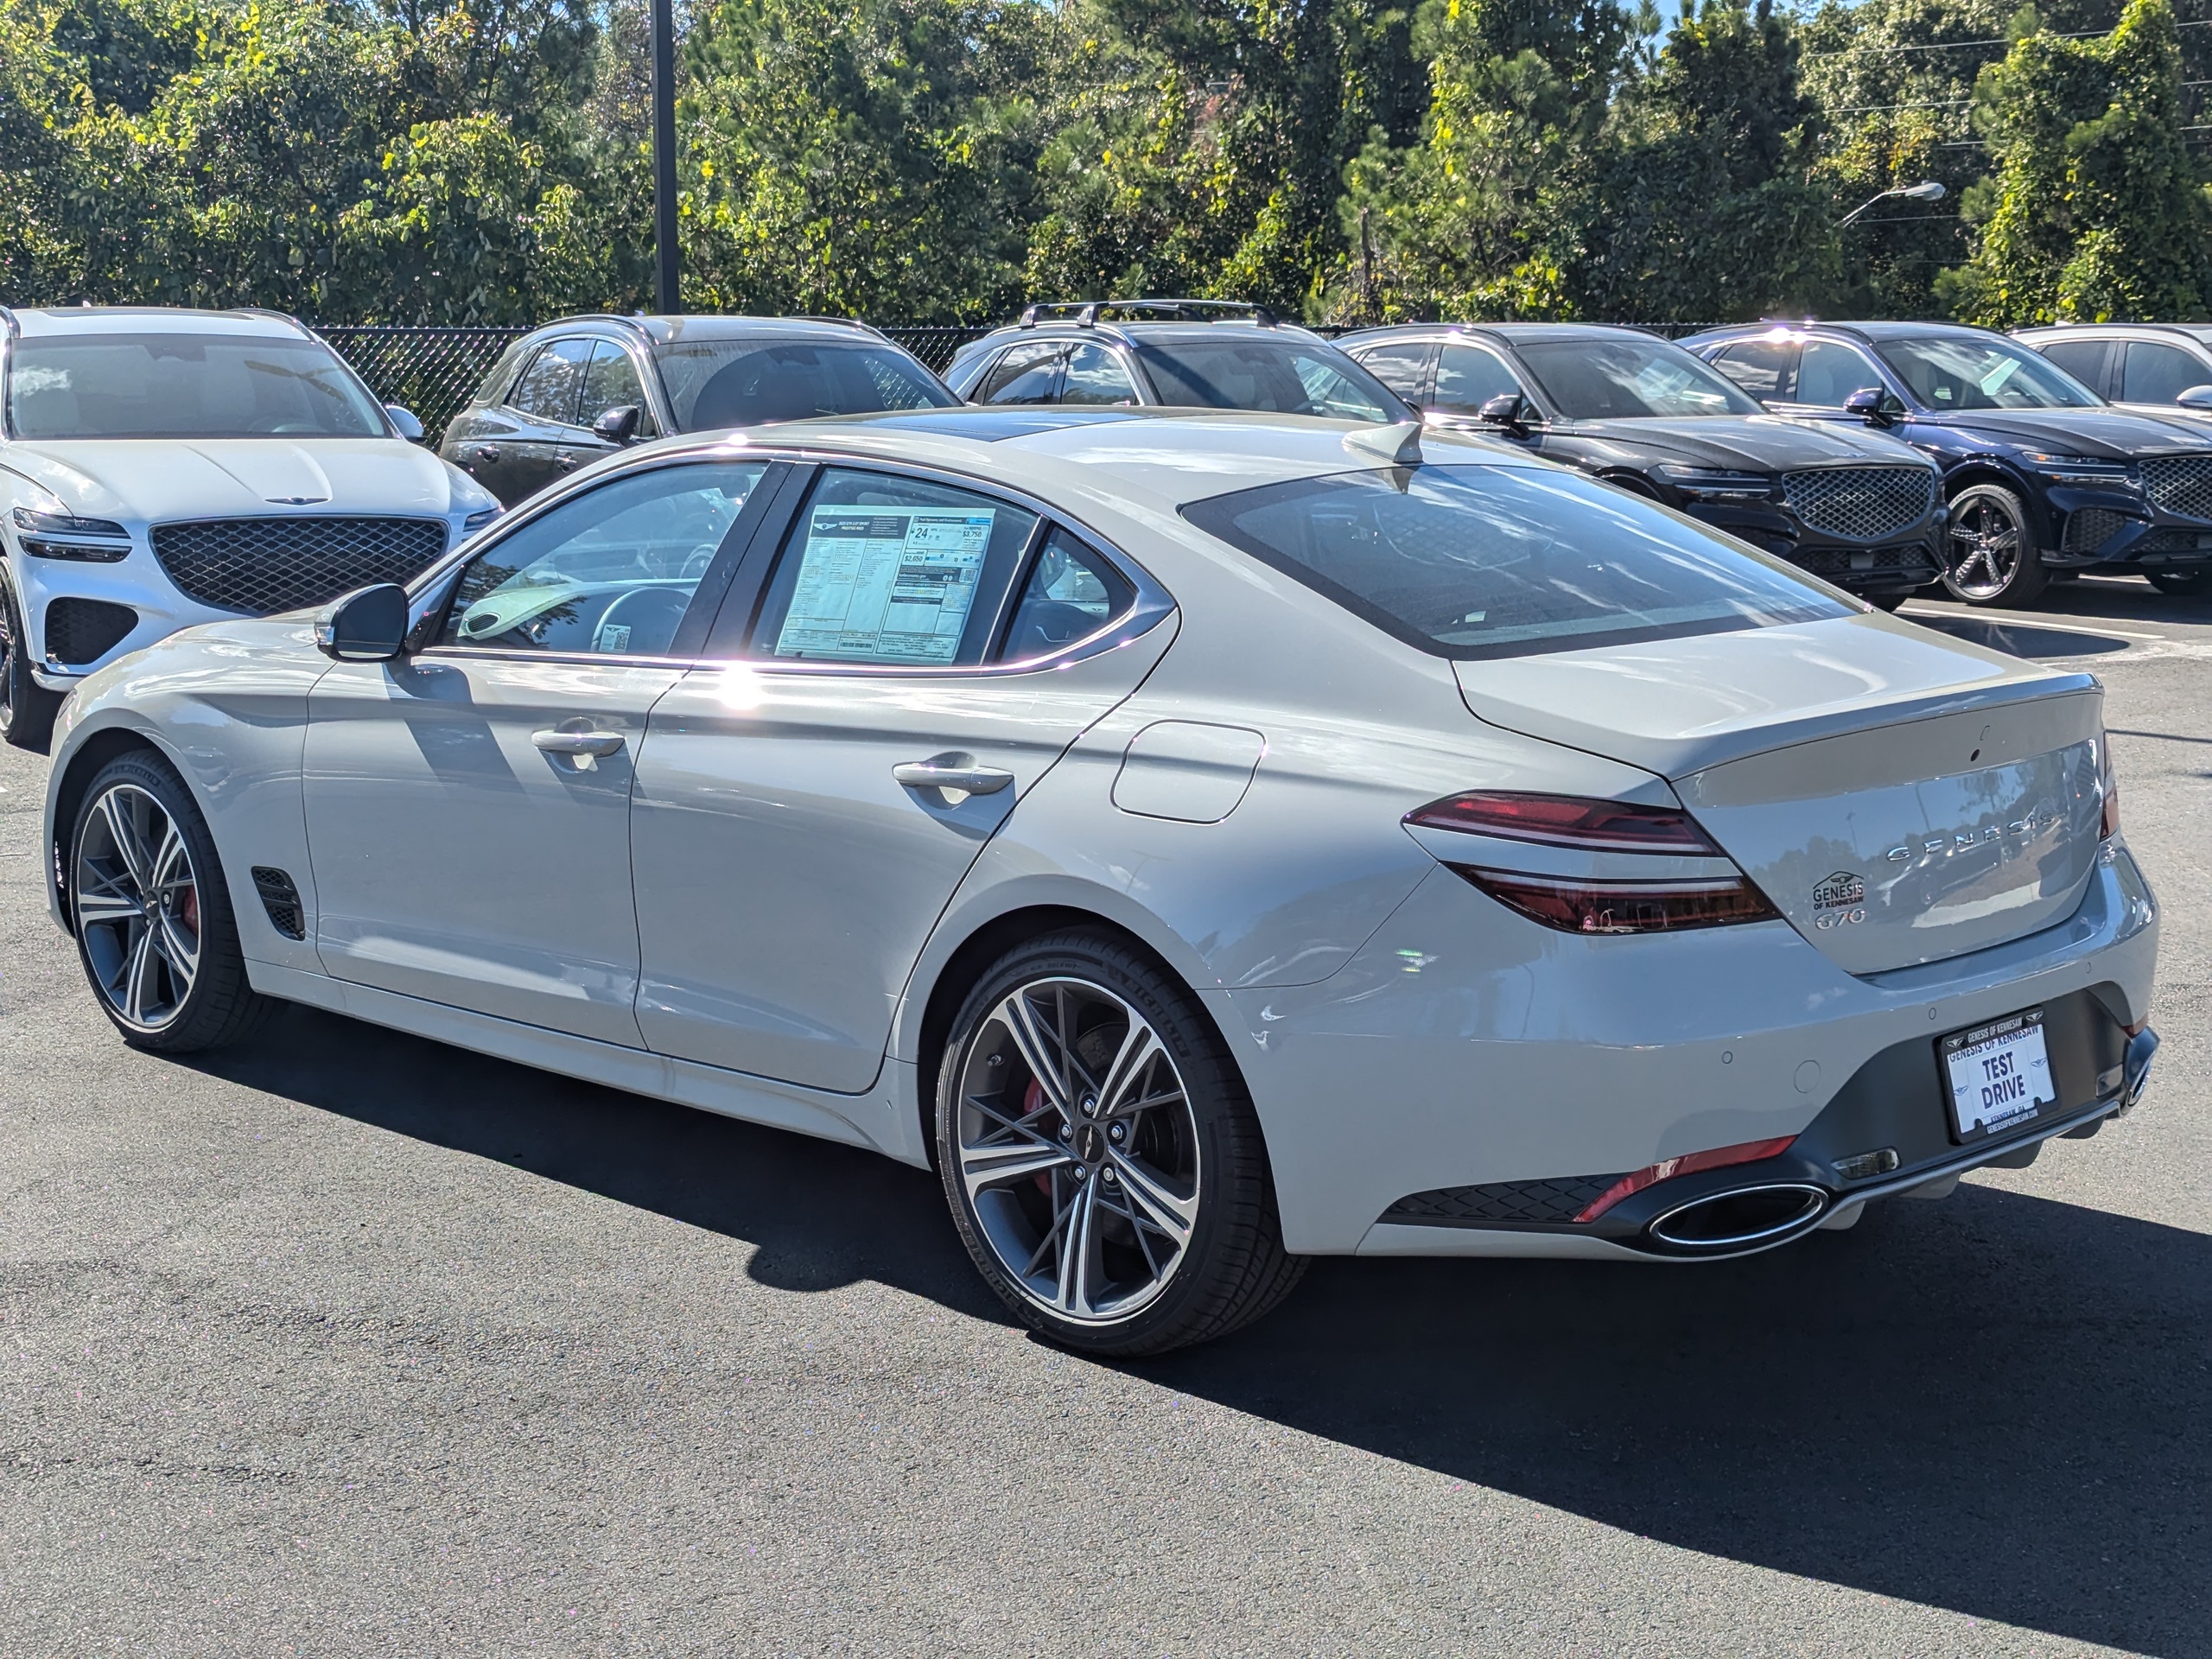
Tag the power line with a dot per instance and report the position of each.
(1963, 46)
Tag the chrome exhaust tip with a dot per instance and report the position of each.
(1742, 1218)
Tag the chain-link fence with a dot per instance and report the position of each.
(433, 371)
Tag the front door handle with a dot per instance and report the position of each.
(487, 452)
(599, 743)
(958, 772)
(568, 462)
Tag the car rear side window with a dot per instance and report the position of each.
(890, 572)
(1266, 374)
(1069, 593)
(1481, 562)
(1764, 368)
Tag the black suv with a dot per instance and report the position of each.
(1856, 508)
(566, 394)
(1179, 353)
(2044, 477)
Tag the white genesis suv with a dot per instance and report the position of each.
(161, 467)
(1209, 840)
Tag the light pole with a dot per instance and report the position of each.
(668, 287)
(1926, 190)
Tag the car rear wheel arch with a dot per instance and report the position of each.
(974, 957)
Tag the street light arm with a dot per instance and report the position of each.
(1926, 190)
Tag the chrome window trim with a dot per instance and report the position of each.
(1152, 605)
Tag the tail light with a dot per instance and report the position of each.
(1617, 901)
(1748, 1151)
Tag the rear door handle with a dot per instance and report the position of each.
(598, 743)
(958, 772)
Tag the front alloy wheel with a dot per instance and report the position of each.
(154, 925)
(1100, 1155)
(137, 905)
(1990, 554)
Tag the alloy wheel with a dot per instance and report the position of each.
(137, 902)
(1985, 548)
(1078, 1150)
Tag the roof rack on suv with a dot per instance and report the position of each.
(1087, 314)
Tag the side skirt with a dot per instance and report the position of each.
(686, 1082)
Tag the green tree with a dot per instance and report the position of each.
(2097, 209)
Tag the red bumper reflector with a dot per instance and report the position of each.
(1751, 1152)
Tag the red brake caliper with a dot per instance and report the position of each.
(1032, 1101)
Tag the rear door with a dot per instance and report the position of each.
(544, 401)
(793, 850)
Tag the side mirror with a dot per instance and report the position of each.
(1505, 410)
(617, 425)
(403, 419)
(366, 626)
(2198, 398)
(1870, 404)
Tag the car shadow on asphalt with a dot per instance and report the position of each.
(1996, 1405)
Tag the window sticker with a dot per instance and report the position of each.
(881, 584)
(1994, 381)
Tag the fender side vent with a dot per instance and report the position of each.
(280, 899)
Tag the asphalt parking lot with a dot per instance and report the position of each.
(345, 1342)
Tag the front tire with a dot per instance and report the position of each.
(155, 930)
(1100, 1154)
(27, 708)
(1990, 555)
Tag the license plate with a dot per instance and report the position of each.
(2000, 1074)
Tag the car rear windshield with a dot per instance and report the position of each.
(1629, 379)
(717, 383)
(1268, 374)
(185, 386)
(1477, 561)
(1969, 372)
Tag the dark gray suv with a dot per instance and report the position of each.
(566, 394)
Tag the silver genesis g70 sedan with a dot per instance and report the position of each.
(1208, 840)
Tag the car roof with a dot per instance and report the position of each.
(34, 323)
(1163, 458)
(1871, 333)
(670, 330)
(1510, 333)
(1145, 334)
(2198, 331)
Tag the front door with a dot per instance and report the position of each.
(805, 810)
(468, 807)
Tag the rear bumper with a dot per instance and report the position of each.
(1463, 1047)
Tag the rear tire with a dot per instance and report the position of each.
(154, 931)
(27, 708)
(1085, 1094)
(2182, 584)
(1990, 555)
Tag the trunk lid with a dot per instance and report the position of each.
(1899, 796)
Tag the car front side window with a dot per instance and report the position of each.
(1467, 377)
(2153, 373)
(611, 382)
(609, 573)
(1095, 374)
(548, 387)
(1828, 373)
(1028, 373)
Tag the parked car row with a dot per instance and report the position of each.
(1208, 838)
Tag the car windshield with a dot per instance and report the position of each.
(1477, 561)
(1976, 371)
(185, 386)
(1268, 374)
(1629, 379)
(717, 383)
